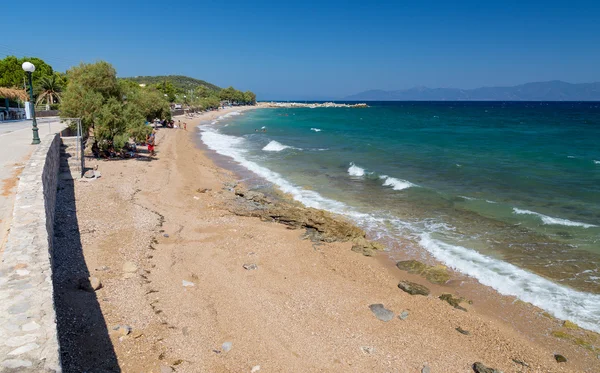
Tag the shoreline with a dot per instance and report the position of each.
(305, 307)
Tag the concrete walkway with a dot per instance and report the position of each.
(15, 150)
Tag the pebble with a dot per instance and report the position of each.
(368, 350)
(255, 369)
(426, 369)
(123, 330)
(250, 267)
(166, 235)
(462, 331)
(226, 346)
(403, 315)
(187, 283)
(381, 312)
(559, 358)
(129, 267)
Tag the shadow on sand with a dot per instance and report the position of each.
(85, 345)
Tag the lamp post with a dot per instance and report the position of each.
(29, 69)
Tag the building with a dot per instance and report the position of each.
(10, 103)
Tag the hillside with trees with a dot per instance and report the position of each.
(179, 82)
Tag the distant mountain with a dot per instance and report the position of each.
(180, 82)
(543, 91)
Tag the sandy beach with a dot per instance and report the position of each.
(188, 285)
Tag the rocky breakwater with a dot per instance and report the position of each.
(319, 225)
(312, 106)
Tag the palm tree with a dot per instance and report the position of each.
(50, 89)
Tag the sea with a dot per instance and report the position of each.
(507, 193)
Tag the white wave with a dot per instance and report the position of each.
(354, 170)
(570, 156)
(316, 129)
(488, 201)
(231, 114)
(263, 127)
(232, 146)
(562, 302)
(549, 220)
(596, 162)
(468, 198)
(275, 146)
(396, 184)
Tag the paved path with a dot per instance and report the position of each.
(15, 150)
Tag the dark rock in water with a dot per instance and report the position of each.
(480, 368)
(559, 358)
(462, 331)
(521, 362)
(435, 274)
(381, 312)
(413, 288)
(453, 301)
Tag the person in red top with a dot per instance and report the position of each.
(151, 141)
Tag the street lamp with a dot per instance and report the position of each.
(29, 69)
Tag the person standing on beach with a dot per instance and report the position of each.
(151, 141)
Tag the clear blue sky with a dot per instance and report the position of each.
(303, 50)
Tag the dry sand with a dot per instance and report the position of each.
(304, 308)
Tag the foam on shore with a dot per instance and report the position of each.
(561, 301)
(549, 220)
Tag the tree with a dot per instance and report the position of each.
(50, 89)
(81, 102)
(110, 120)
(150, 102)
(12, 74)
(167, 88)
(249, 98)
(100, 77)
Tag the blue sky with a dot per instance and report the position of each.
(313, 50)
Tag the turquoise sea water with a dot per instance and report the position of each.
(508, 193)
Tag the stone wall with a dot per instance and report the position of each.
(28, 336)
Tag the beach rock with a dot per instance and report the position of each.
(166, 235)
(435, 274)
(480, 368)
(226, 346)
(462, 331)
(403, 315)
(166, 369)
(559, 358)
(129, 267)
(570, 325)
(255, 369)
(203, 190)
(453, 301)
(250, 267)
(90, 284)
(413, 288)
(366, 247)
(381, 312)
(426, 369)
(367, 350)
